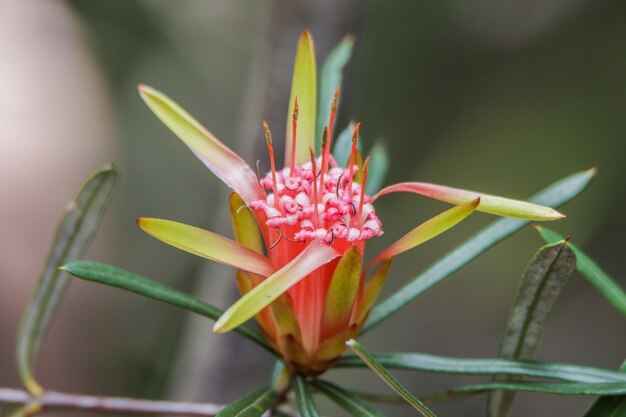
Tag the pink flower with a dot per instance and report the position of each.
(300, 231)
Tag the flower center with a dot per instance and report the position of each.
(328, 207)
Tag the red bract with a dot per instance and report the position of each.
(300, 231)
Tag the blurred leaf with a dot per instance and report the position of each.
(559, 388)
(115, 277)
(304, 87)
(609, 406)
(466, 366)
(311, 258)
(343, 145)
(543, 280)
(379, 165)
(392, 382)
(592, 271)
(304, 398)
(331, 77)
(349, 402)
(556, 195)
(253, 404)
(75, 232)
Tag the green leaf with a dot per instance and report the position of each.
(476, 366)
(76, 230)
(217, 157)
(557, 388)
(379, 165)
(343, 145)
(556, 195)
(592, 271)
(330, 79)
(349, 402)
(207, 244)
(392, 382)
(253, 404)
(609, 406)
(342, 292)
(311, 258)
(304, 87)
(304, 398)
(543, 280)
(116, 277)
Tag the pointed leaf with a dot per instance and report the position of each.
(244, 223)
(592, 271)
(371, 290)
(342, 292)
(116, 277)
(488, 203)
(428, 230)
(304, 398)
(216, 156)
(75, 232)
(609, 406)
(559, 388)
(388, 379)
(555, 195)
(207, 244)
(253, 404)
(349, 402)
(343, 145)
(330, 79)
(311, 258)
(475, 366)
(539, 289)
(303, 86)
(379, 165)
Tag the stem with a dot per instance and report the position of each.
(60, 401)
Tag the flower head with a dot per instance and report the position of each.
(300, 231)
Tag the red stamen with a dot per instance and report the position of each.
(314, 172)
(365, 169)
(355, 136)
(333, 113)
(294, 129)
(324, 157)
(270, 148)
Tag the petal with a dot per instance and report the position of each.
(222, 161)
(311, 258)
(206, 244)
(303, 86)
(428, 230)
(245, 226)
(488, 203)
(371, 290)
(342, 292)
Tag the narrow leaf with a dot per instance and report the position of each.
(253, 404)
(379, 165)
(487, 366)
(558, 388)
(115, 277)
(76, 230)
(349, 402)
(427, 230)
(216, 156)
(304, 398)
(388, 379)
(207, 244)
(488, 203)
(343, 145)
(304, 87)
(592, 271)
(609, 406)
(342, 292)
(543, 280)
(330, 79)
(311, 258)
(555, 195)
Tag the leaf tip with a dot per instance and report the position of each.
(350, 343)
(592, 171)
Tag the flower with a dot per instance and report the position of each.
(300, 231)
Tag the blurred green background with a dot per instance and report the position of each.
(499, 96)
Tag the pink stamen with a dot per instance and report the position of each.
(333, 113)
(314, 171)
(294, 129)
(355, 136)
(270, 148)
(324, 156)
(362, 199)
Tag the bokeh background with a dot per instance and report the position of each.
(500, 96)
